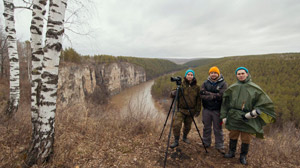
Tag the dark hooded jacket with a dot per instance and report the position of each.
(243, 97)
(211, 93)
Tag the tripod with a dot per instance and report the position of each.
(176, 99)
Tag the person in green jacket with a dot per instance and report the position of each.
(245, 109)
(191, 93)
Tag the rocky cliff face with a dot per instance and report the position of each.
(96, 82)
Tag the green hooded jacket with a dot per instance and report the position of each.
(241, 98)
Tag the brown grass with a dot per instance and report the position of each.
(88, 135)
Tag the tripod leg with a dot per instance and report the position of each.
(167, 118)
(193, 120)
(170, 132)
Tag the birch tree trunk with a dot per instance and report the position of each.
(14, 89)
(37, 55)
(46, 102)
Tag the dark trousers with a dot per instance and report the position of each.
(212, 118)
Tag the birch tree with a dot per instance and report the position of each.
(45, 76)
(14, 80)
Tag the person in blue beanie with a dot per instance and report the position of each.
(245, 109)
(191, 92)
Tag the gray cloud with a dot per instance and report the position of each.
(191, 28)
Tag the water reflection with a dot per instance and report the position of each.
(138, 101)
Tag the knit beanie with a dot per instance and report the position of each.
(188, 72)
(243, 68)
(214, 69)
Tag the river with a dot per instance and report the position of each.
(138, 100)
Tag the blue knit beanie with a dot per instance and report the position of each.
(243, 68)
(188, 72)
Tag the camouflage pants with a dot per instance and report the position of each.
(180, 118)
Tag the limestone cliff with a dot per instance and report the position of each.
(96, 82)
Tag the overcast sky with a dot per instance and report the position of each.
(182, 28)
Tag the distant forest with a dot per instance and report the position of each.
(277, 74)
(153, 67)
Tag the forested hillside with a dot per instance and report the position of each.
(153, 67)
(277, 74)
(199, 62)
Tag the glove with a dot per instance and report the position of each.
(203, 92)
(224, 121)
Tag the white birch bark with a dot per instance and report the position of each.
(45, 108)
(53, 46)
(36, 29)
(37, 54)
(13, 57)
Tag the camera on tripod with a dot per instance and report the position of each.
(176, 79)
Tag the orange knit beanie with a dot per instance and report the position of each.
(214, 69)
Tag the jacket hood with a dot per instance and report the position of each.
(186, 82)
(220, 79)
(248, 79)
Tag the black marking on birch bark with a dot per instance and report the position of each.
(39, 52)
(54, 110)
(64, 3)
(11, 18)
(54, 94)
(9, 5)
(33, 22)
(14, 60)
(33, 109)
(44, 103)
(55, 5)
(55, 22)
(36, 7)
(56, 46)
(34, 58)
(38, 93)
(54, 80)
(38, 18)
(43, 2)
(10, 37)
(54, 34)
(53, 77)
(39, 32)
(44, 89)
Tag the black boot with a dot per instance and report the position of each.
(185, 139)
(244, 152)
(175, 143)
(232, 149)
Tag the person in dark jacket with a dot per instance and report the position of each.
(191, 94)
(211, 93)
(246, 108)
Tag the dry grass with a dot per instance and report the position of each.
(280, 148)
(89, 135)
